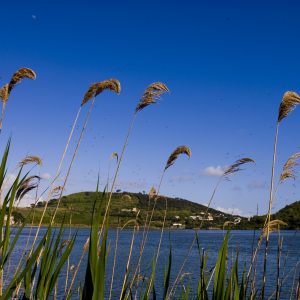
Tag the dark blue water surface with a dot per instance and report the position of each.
(181, 241)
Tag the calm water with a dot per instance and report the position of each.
(181, 241)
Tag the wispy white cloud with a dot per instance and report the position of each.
(183, 177)
(8, 181)
(214, 171)
(230, 210)
(46, 176)
(257, 185)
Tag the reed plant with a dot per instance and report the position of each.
(46, 255)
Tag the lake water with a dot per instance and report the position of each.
(181, 241)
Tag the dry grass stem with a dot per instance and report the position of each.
(173, 157)
(151, 95)
(97, 88)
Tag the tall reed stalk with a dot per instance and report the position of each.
(94, 90)
(288, 103)
(235, 167)
(151, 95)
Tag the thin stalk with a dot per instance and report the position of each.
(73, 158)
(129, 259)
(279, 249)
(194, 240)
(117, 171)
(55, 177)
(114, 264)
(68, 261)
(2, 114)
(269, 211)
(145, 234)
(85, 248)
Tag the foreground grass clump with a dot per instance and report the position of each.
(45, 256)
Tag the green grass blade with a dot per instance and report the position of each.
(168, 274)
(220, 273)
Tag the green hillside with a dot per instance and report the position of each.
(290, 214)
(78, 208)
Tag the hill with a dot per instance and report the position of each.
(290, 214)
(77, 209)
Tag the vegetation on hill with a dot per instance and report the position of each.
(78, 208)
(290, 214)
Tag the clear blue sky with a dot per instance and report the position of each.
(227, 64)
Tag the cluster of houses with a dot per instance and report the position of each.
(129, 210)
(11, 220)
(201, 217)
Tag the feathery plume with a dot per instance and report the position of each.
(4, 93)
(151, 95)
(19, 76)
(152, 193)
(288, 104)
(30, 159)
(63, 244)
(235, 167)
(179, 150)
(97, 88)
(56, 191)
(114, 155)
(234, 222)
(289, 167)
(273, 226)
(227, 223)
(26, 186)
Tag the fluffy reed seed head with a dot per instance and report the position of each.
(19, 76)
(179, 150)
(234, 222)
(26, 186)
(29, 160)
(227, 223)
(16, 78)
(63, 244)
(289, 168)
(288, 103)
(56, 191)
(4, 93)
(273, 226)
(235, 167)
(114, 155)
(152, 193)
(151, 95)
(98, 87)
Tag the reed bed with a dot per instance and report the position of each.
(46, 255)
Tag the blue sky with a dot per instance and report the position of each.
(227, 65)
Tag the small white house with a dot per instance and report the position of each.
(177, 225)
